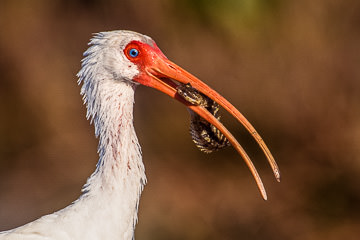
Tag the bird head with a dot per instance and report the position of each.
(136, 59)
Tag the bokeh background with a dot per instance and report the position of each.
(291, 67)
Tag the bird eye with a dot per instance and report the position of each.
(133, 52)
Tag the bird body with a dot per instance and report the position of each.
(114, 65)
(107, 208)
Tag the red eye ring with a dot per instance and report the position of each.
(132, 51)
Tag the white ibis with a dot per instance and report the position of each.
(113, 66)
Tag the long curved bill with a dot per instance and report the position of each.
(162, 74)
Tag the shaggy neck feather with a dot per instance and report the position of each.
(119, 178)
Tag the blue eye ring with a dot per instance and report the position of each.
(133, 52)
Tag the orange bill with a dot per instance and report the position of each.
(158, 72)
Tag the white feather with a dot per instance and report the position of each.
(107, 207)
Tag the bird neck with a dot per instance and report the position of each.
(119, 151)
(114, 189)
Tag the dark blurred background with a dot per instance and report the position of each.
(291, 67)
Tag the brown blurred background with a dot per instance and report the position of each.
(291, 67)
